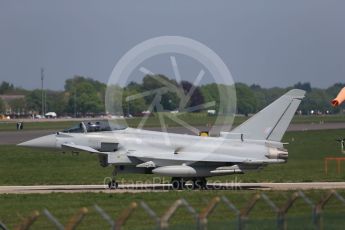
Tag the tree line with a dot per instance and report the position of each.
(86, 97)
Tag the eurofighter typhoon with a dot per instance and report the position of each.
(252, 145)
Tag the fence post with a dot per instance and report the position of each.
(246, 210)
(3, 226)
(311, 204)
(191, 210)
(339, 197)
(202, 220)
(283, 210)
(232, 207)
(76, 219)
(151, 213)
(105, 216)
(274, 208)
(164, 221)
(319, 207)
(52, 219)
(125, 215)
(27, 222)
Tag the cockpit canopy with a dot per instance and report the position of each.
(94, 126)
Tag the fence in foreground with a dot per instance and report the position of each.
(240, 219)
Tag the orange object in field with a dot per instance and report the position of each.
(339, 99)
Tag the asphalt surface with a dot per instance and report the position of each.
(140, 188)
(16, 137)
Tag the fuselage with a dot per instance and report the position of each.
(162, 146)
(186, 153)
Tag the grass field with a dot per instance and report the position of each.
(195, 119)
(22, 166)
(307, 149)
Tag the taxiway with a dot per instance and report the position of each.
(139, 188)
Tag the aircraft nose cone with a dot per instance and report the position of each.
(48, 141)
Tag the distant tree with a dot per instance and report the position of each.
(89, 95)
(56, 102)
(89, 104)
(152, 82)
(2, 106)
(223, 96)
(18, 105)
(133, 106)
(272, 94)
(333, 90)
(114, 100)
(120, 102)
(135, 86)
(316, 100)
(88, 100)
(246, 102)
(255, 87)
(260, 96)
(34, 101)
(210, 93)
(6, 87)
(71, 83)
(196, 98)
(305, 86)
(170, 99)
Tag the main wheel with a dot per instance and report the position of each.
(177, 183)
(200, 183)
(113, 184)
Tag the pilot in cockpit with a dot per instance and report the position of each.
(92, 127)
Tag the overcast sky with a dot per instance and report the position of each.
(271, 43)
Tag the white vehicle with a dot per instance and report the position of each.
(50, 115)
(211, 112)
(37, 116)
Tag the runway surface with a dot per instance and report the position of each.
(15, 137)
(139, 188)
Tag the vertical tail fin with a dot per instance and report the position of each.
(272, 122)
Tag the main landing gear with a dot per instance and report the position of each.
(113, 184)
(179, 183)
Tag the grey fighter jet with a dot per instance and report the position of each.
(250, 146)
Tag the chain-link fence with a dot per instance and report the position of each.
(310, 215)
